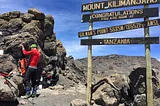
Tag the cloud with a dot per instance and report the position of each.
(75, 49)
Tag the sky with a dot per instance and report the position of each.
(67, 15)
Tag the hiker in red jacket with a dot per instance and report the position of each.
(32, 68)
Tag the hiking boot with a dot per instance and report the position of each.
(26, 96)
(34, 92)
(28, 93)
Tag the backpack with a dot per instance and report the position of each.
(22, 66)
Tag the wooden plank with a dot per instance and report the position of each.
(119, 28)
(119, 15)
(102, 5)
(120, 41)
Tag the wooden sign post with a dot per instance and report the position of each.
(89, 75)
(149, 93)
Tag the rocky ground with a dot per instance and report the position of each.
(49, 97)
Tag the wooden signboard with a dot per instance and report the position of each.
(120, 41)
(118, 15)
(102, 5)
(119, 28)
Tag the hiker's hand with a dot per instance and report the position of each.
(22, 45)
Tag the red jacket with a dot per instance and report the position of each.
(35, 56)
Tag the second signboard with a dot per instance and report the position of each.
(118, 15)
(119, 28)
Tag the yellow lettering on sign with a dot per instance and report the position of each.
(102, 31)
(133, 2)
(102, 5)
(81, 34)
(134, 26)
(154, 1)
(116, 28)
(90, 7)
(117, 41)
(88, 33)
(128, 41)
(115, 4)
(122, 2)
(153, 23)
(97, 6)
(128, 2)
(94, 32)
(85, 7)
(110, 4)
(94, 6)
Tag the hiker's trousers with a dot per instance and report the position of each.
(30, 77)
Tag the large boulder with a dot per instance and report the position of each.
(50, 46)
(138, 80)
(19, 82)
(14, 14)
(27, 17)
(10, 15)
(48, 26)
(78, 102)
(7, 63)
(15, 25)
(50, 18)
(106, 92)
(38, 15)
(3, 24)
(6, 16)
(61, 54)
(140, 100)
(60, 48)
(32, 29)
(8, 90)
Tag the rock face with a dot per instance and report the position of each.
(27, 28)
(30, 27)
(7, 63)
(8, 91)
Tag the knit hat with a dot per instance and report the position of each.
(33, 46)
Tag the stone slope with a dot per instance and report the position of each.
(107, 65)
